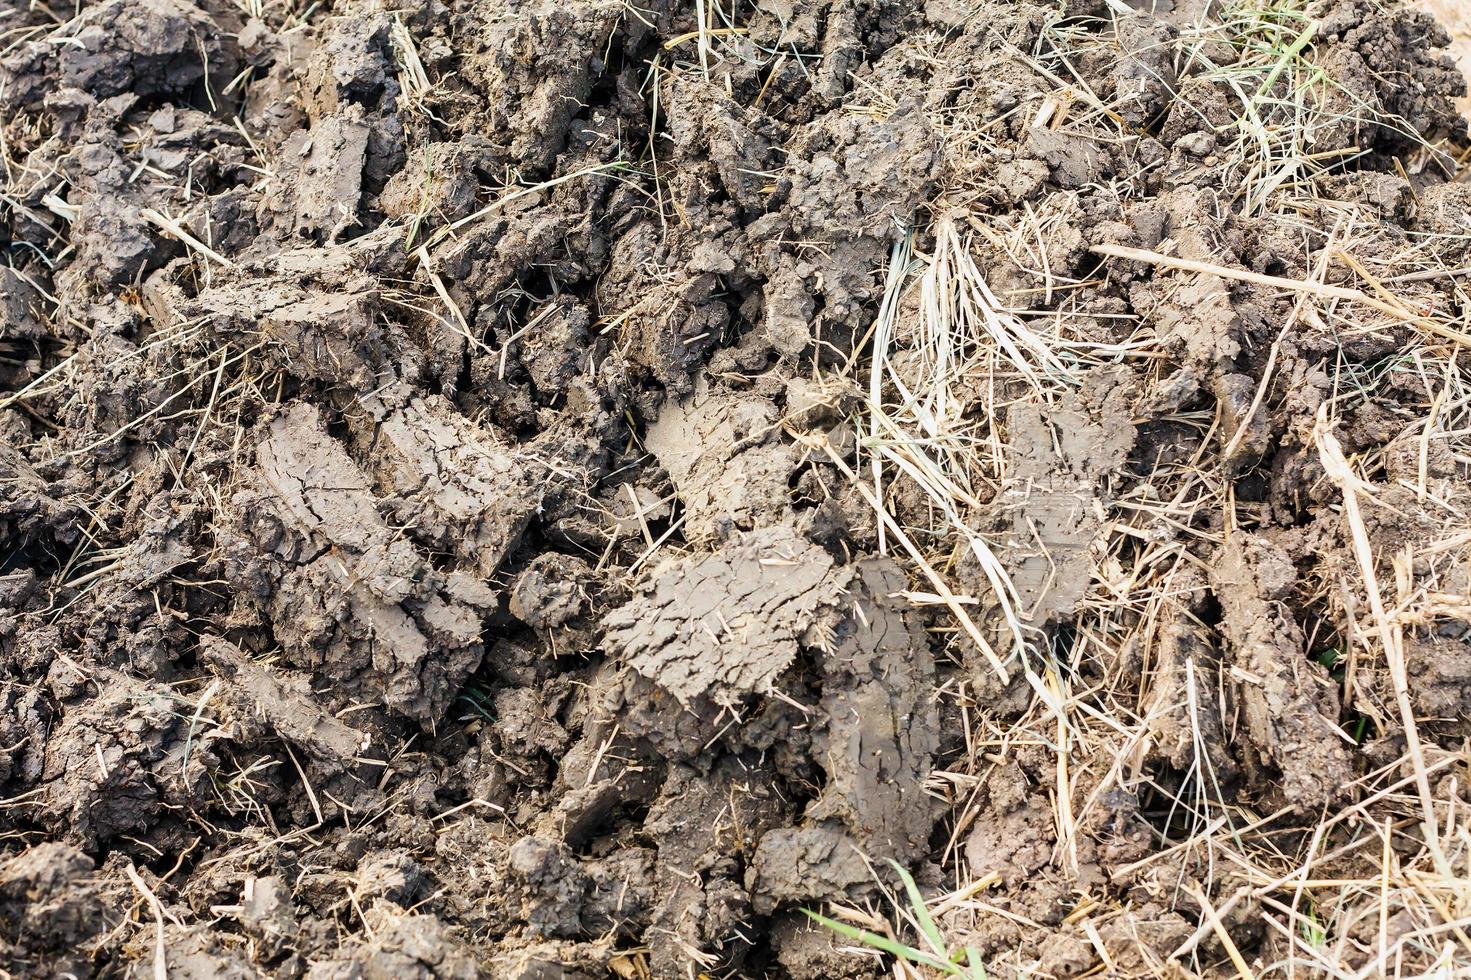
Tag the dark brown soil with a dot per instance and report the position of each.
(419, 556)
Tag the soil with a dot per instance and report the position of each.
(426, 543)
(1456, 19)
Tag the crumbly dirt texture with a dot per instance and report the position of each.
(558, 490)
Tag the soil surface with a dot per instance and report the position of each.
(427, 539)
(1455, 17)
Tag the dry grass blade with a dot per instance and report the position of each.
(458, 323)
(1319, 289)
(942, 588)
(178, 231)
(160, 957)
(516, 195)
(1390, 633)
(921, 361)
(1141, 693)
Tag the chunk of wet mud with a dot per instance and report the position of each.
(723, 626)
(463, 488)
(21, 317)
(140, 47)
(115, 761)
(399, 944)
(1183, 712)
(318, 194)
(114, 240)
(1290, 706)
(1145, 77)
(554, 596)
(563, 896)
(1059, 456)
(313, 331)
(722, 452)
(285, 703)
(876, 733)
(52, 901)
(722, 629)
(348, 596)
(1014, 839)
(701, 820)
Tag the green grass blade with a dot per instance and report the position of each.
(883, 943)
(1293, 51)
(927, 925)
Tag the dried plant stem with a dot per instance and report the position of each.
(1390, 633)
(177, 230)
(942, 589)
(160, 960)
(1319, 289)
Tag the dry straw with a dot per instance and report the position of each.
(1377, 887)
